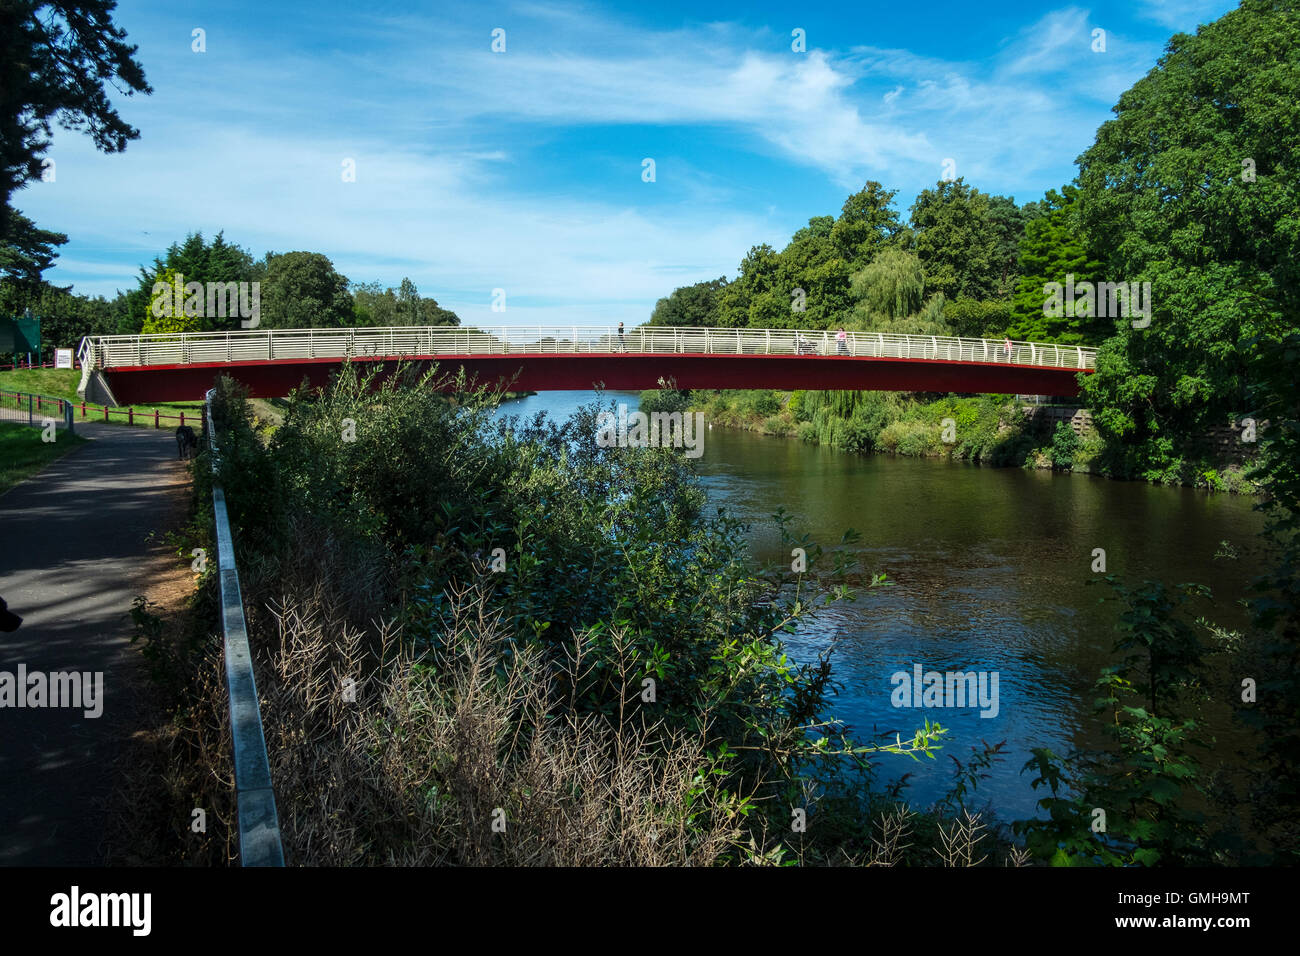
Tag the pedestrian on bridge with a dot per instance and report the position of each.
(842, 342)
(622, 344)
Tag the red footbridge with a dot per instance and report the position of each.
(140, 369)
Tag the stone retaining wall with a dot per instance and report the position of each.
(1225, 440)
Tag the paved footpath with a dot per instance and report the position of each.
(74, 551)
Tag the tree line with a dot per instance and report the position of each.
(297, 290)
(1192, 187)
(964, 263)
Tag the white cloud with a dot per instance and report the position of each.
(1184, 15)
(1058, 41)
(442, 220)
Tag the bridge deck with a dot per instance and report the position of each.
(182, 366)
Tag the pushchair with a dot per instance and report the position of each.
(804, 347)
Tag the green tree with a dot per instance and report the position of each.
(1009, 222)
(1275, 640)
(198, 261)
(373, 305)
(1194, 186)
(891, 286)
(691, 305)
(753, 287)
(26, 250)
(867, 223)
(55, 59)
(165, 314)
(957, 240)
(976, 319)
(812, 287)
(302, 291)
(65, 317)
(1052, 249)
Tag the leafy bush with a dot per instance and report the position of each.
(664, 399)
(1065, 443)
(796, 406)
(763, 403)
(1143, 786)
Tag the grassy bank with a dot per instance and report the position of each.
(991, 429)
(62, 383)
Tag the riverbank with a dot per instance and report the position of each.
(990, 429)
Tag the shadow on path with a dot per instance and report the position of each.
(74, 551)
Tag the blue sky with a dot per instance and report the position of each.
(522, 170)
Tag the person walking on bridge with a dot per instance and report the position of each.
(622, 344)
(842, 342)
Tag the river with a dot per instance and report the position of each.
(988, 568)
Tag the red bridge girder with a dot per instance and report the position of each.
(538, 372)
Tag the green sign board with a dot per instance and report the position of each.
(20, 335)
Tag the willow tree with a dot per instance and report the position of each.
(892, 285)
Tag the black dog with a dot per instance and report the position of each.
(186, 443)
(9, 621)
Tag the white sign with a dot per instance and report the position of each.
(63, 358)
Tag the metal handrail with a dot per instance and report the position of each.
(115, 351)
(259, 824)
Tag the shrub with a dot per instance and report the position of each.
(1065, 443)
(764, 402)
(796, 406)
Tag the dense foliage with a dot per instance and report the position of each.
(1194, 186)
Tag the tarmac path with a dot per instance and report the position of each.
(78, 541)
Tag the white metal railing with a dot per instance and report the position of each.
(114, 351)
